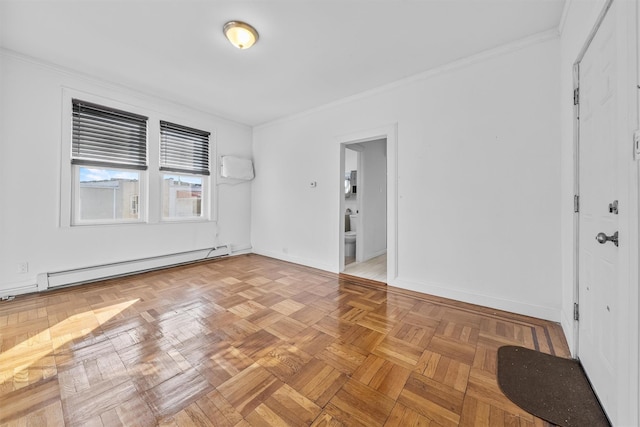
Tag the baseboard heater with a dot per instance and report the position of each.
(117, 269)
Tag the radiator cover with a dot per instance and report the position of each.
(124, 268)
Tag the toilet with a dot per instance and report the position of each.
(350, 238)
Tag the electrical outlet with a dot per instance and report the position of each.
(23, 267)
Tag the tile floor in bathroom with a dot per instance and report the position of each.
(374, 269)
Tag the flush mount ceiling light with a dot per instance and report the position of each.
(240, 34)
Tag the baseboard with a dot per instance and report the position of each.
(241, 249)
(511, 306)
(367, 257)
(568, 327)
(296, 260)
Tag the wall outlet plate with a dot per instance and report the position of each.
(23, 267)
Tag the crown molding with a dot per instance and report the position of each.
(460, 63)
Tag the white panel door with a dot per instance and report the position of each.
(598, 260)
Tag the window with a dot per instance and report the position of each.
(109, 157)
(184, 163)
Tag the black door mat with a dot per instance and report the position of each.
(549, 387)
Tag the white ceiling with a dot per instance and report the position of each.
(310, 52)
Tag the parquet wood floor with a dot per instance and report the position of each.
(253, 341)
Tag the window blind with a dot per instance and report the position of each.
(104, 136)
(183, 149)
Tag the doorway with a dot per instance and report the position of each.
(367, 205)
(606, 235)
(365, 231)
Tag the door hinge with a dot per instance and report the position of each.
(576, 203)
(576, 96)
(576, 312)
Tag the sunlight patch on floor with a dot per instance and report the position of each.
(32, 358)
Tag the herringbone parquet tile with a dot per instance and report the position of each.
(252, 341)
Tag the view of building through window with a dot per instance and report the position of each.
(181, 196)
(108, 194)
(111, 194)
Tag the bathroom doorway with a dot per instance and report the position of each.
(352, 207)
(364, 205)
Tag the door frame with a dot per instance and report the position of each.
(388, 132)
(628, 179)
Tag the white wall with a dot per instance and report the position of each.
(372, 188)
(350, 160)
(478, 183)
(31, 148)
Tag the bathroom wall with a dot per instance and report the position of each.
(351, 203)
(351, 164)
(478, 179)
(373, 213)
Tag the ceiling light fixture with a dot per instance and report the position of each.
(240, 34)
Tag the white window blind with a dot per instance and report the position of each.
(104, 136)
(183, 149)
